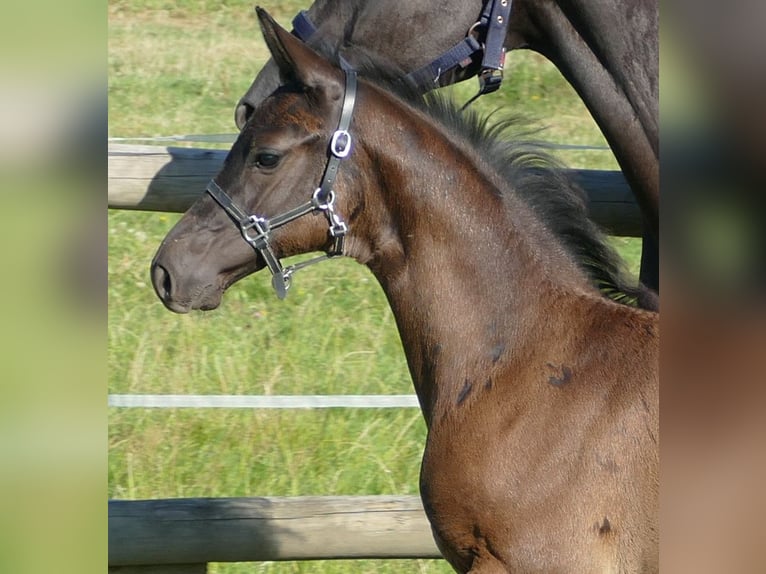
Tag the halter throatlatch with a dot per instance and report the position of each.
(484, 39)
(257, 230)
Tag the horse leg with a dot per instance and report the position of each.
(650, 263)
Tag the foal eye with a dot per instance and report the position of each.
(267, 159)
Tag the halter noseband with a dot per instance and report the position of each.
(257, 230)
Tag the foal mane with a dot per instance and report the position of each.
(536, 177)
(531, 172)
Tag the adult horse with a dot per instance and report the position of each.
(607, 50)
(540, 395)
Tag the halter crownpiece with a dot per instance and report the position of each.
(256, 230)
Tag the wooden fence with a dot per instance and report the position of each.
(183, 535)
(157, 178)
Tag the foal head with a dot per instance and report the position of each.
(279, 165)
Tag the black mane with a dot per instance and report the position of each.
(534, 174)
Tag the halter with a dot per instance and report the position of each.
(257, 230)
(486, 38)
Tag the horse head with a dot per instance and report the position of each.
(408, 34)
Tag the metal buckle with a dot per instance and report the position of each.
(338, 227)
(260, 241)
(280, 282)
(490, 80)
(340, 144)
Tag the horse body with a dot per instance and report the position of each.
(539, 394)
(608, 51)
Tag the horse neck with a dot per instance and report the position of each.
(469, 279)
(610, 60)
(419, 32)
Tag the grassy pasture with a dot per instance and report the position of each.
(179, 68)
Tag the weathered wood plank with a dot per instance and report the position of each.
(160, 569)
(155, 178)
(201, 530)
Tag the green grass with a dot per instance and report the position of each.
(178, 68)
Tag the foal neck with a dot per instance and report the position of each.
(470, 273)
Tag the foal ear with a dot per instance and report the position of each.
(295, 60)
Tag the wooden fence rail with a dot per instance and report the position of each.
(157, 178)
(163, 536)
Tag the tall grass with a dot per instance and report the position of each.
(179, 67)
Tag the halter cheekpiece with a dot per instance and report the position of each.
(256, 230)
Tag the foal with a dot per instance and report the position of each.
(540, 395)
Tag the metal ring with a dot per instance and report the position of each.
(472, 29)
(339, 148)
(327, 203)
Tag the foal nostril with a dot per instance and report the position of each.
(161, 282)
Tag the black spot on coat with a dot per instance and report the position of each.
(465, 391)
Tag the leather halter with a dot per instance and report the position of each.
(485, 37)
(256, 230)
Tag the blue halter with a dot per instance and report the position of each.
(491, 26)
